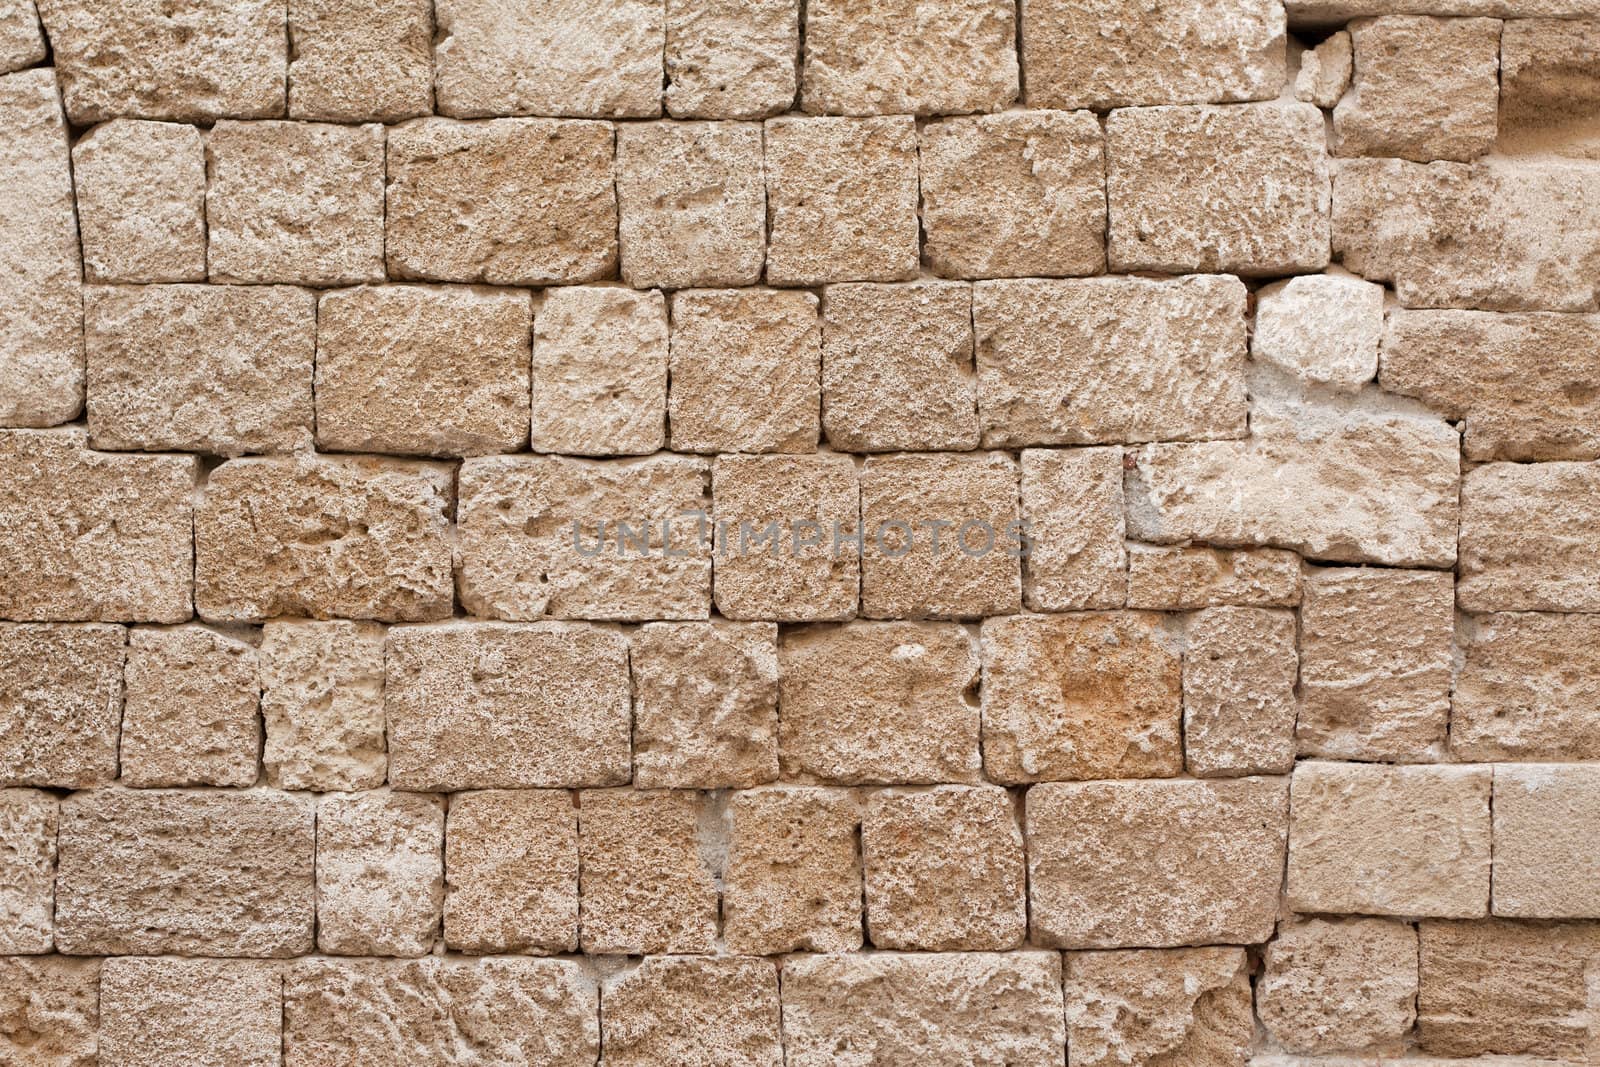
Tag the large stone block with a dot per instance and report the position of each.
(61, 688)
(49, 1011)
(1527, 538)
(731, 59)
(1077, 555)
(360, 60)
(719, 1012)
(142, 202)
(1339, 985)
(511, 872)
(28, 819)
(1546, 857)
(600, 359)
(645, 884)
(190, 1013)
(380, 876)
(1157, 1006)
(322, 705)
(793, 881)
(1528, 688)
(1239, 674)
(190, 709)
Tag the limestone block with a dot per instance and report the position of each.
(731, 59)
(511, 872)
(719, 1012)
(1072, 503)
(190, 1013)
(1239, 675)
(600, 358)
(1546, 859)
(1188, 577)
(61, 689)
(360, 60)
(645, 885)
(21, 42)
(1528, 688)
(322, 705)
(793, 881)
(28, 820)
(190, 704)
(1152, 1007)
(380, 882)
(1321, 328)
(49, 1011)
(1313, 13)
(1550, 86)
(1527, 537)
(1339, 984)
(141, 190)
(1325, 71)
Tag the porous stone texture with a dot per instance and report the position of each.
(380, 882)
(322, 705)
(1195, 576)
(645, 885)
(511, 872)
(1321, 328)
(1154, 1007)
(1333, 985)
(731, 59)
(183, 1012)
(1526, 541)
(61, 693)
(600, 358)
(1527, 688)
(685, 1009)
(793, 881)
(1072, 503)
(1239, 673)
(28, 820)
(1549, 88)
(360, 60)
(49, 1011)
(141, 191)
(1325, 71)
(21, 42)
(1546, 862)
(190, 701)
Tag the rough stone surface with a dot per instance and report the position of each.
(1239, 674)
(1546, 860)
(380, 882)
(1154, 1007)
(731, 59)
(322, 705)
(645, 885)
(1527, 689)
(682, 1009)
(1527, 539)
(21, 42)
(600, 358)
(1321, 328)
(1339, 985)
(1190, 577)
(1549, 87)
(49, 1011)
(1325, 71)
(141, 189)
(1072, 503)
(61, 698)
(189, 709)
(360, 60)
(511, 872)
(28, 819)
(190, 1012)
(793, 881)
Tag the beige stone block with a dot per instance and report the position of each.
(1527, 688)
(219, 369)
(1239, 674)
(1155, 864)
(1550, 86)
(1338, 985)
(1321, 328)
(841, 200)
(423, 370)
(1527, 538)
(322, 705)
(360, 60)
(731, 59)
(355, 537)
(1072, 503)
(380, 876)
(705, 704)
(190, 704)
(786, 529)
(686, 1009)
(28, 820)
(1081, 696)
(141, 189)
(61, 689)
(646, 884)
(49, 1011)
(897, 367)
(21, 41)
(142, 59)
(1425, 88)
(1380, 840)
(1109, 360)
(600, 358)
(544, 207)
(215, 873)
(1155, 1007)
(1546, 859)
(940, 1010)
(745, 371)
(793, 881)
(511, 872)
(190, 1013)
(510, 57)
(1325, 71)
(576, 539)
(504, 705)
(1313, 13)
(693, 203)
(1188, 577)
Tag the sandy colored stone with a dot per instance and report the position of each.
(940, 1010)
(360, 60)
(423, 370)
(1527, 538)
(49, 1011)
(380, 876)
(897, 367)
(686, 1009)
(1550, 86)
(1188, 577)
(28, 820)
(1155, 864)
(600, 358)
(355, 537)
(1150, 1008)
(1373, 839)
(21, 41)
(645, 885)
(705, 704)
(731, 59)
(1546, 858)
(189, 712)
(1375, 664)
(1529, 688)
(793, 880)
(216, 873)
(549, 57)
(41, 317)
(841, 200)
(1313, 13)
(544, 535)
(1321, 328)
(786, 529)
(60, 704)
(322, 705)
(1239, 675)
(1337, 985)
(502, 705)
(1325, 71)
(1424, 88)
(190, 1013)
(1072, 503)
(1080, 696)
(508, 202)
(511, 872)
(141, 190)
(209, 59)
(219, 369)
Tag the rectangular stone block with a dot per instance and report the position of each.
(646, 885)
(1341, 984)
(28, 819)
(511, 872)
(49, 1011)
(61, 687)
(1320, 328)
(21, 41)
(1546, 858)
(793, 880)
(600, 358)
(190, 709)
(1550, 87)
(141, 189)
(686, 1009)
(1072, 503)
(1527, 538)
(731, 59)
(1188, 577)
(1528, 688)
(1188, 1005)
(380, 876)
(360, 60)
(322, 705)
(181, 1011)
(1239, 674)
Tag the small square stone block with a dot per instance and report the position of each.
(1340, 984)
(141, 191)
(600, 360)
(645, 886)
(322, 704)
(61, 686)
(1525, 543)
(731, 59)
(511, 872)
(360, 60)
(1546, 857)
(182, 1011)
(190, 709)
(1528, 688)
(380, 876)
(1152, 1006)
(1239, 674)
(49, 1011)
(691, 1009)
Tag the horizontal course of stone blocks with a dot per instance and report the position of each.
(799, 533)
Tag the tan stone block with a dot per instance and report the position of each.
(502, 705)
(28, 820)
(940, 1010)
(547, 535)
(510, 57)
(600, 358)
(1335, 985)
(1239, 675)
(897, 367)
(190, 1013)
(217, 873)
(1321, 328)
(1113, 53)
(190, 706)
(544, 206)
(1546, 858)
(1189, 577)
(705, 698)
(693, 203)
(786, 529)
(423, 370)
(201, 368)
(1155, 864)
(1381, 840)
(1080, 696)
(360, 60)
(686, 1009)
(1527, 538)
(1072, 503)
(213, 59)
(322, 704)
(1325, 71)
(793, 879)
(380, 876)
(511, 872)
(49, 1011)
(61, 689)
(141, 190)
(645, 884)
(1108, 360)
(1550, 86)
(731, 59)
(841, 200)
(1425, 88)
(21, 41)
(356, 537)
(1312, 13)
(393, 1013)
(1527, 688)
(1155, 1007)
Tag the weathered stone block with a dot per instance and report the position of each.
(380, 880)
(1321, 328)
(600, 358)
(793, 877)
(1325, 71)
(1550, 87)
(645, 886)
(322, 704)
(731, 59)
(511, 872)
(1072, 503)
(141, 190)
(1239, 675)
(21, 41)
(1546, 858)
(1150, 1007)
(1188, 577)
(687, 1009)
(61, 687)
(189, 711)
(1528, 688)
(190, 1012)
(1339, 985)
(1527, 537)
(28, 819)
(360, 60)
(49, 1011)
